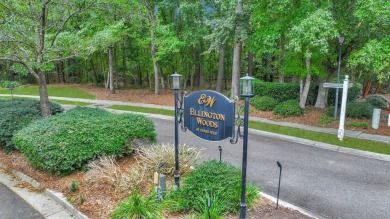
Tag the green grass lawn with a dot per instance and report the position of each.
(65, 102)
(55, 101)
(56, 91)
(143, 110)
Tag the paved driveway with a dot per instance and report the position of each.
(328, 183)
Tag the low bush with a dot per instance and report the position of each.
(16, 114)
(263, 103)
(214, 179)
(279, 91)
(288, 108)
(357, 124)
(5, 83)
(64, 143)
(358, 110)
(378, 101)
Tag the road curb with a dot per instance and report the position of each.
(55, 196)
(291, 206)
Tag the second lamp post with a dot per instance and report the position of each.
(176, 86)
(246, 91)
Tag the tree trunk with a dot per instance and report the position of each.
(281, 61)
(306, 86)
(322, 94)
(111, 71)
(367, 88)
(236, 70)
(377, 88)
(94, 72)
(60, 71)
(251, 57)
(220, 69)
(44, 97)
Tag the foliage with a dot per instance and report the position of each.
(264, 103)
(378, 101)
(74, 186)
(64, 143)
(279, 91)
(138, 207)
(357, 124)
(105, 170)
(288, 108)
(214, 179)
(357, 110)
(16, 114)
(354, 93)
(152, 156)
(216, 207)
(324, 120)
(5, 83)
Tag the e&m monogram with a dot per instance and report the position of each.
(206, 100)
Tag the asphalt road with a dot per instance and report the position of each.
(328, 183)
(14, 207)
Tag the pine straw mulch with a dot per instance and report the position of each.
(98, 200)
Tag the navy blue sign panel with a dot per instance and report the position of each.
(209, 115)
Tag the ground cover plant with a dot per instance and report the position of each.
(288, 108)
(67, 142)
(16, 114)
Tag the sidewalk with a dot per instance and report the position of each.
(107, 103)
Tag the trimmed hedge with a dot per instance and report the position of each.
(359, 110)
(263, 103)
(67, 142)
(288, 108)
(16, 114)
(279, 91)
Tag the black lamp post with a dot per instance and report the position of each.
(246, 91)
(341, 40)
(11, 87)
(175, 85)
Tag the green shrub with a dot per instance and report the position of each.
(288, 108)
(16, 114)
(137, 207)
(263, 103)
(378, 101)
(357, 124)
(359, 110)
(215, 179)
(5, 83)
(324, 120)
(354, 94)
(279, 91)
(64, 143)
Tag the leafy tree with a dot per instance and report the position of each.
(31, 36)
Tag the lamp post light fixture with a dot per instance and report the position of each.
(11, 87)
(246, 91)
(341, 40)
(175, 85)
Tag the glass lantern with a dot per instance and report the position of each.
(175, 81)
(246, 86)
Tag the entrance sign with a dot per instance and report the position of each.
(209, 115)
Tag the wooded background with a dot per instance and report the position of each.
(212, 43)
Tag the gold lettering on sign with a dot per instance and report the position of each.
(206, 100)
